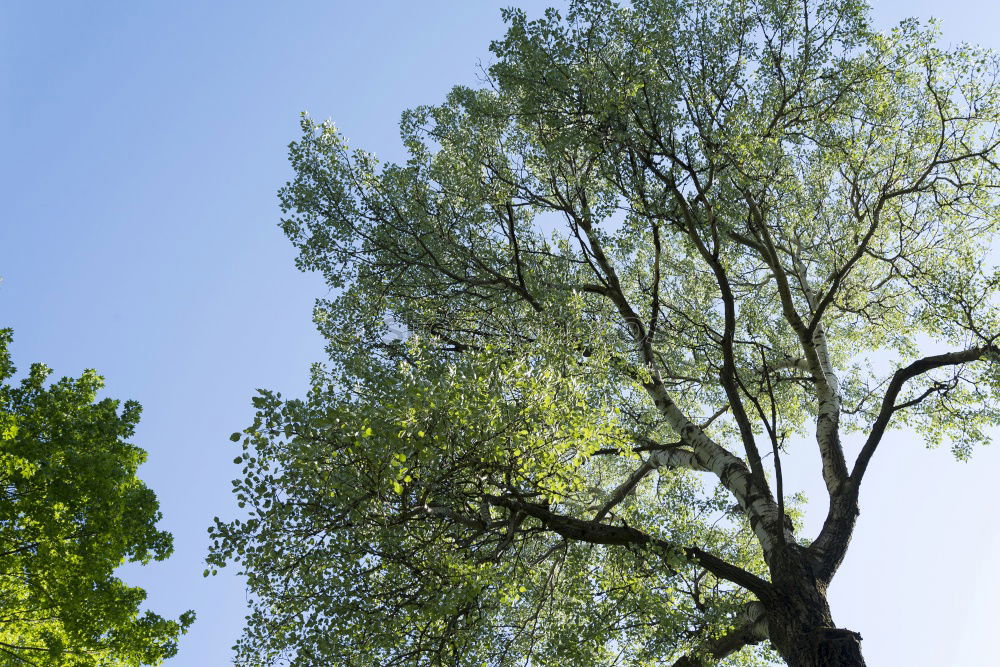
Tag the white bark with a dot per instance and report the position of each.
(731, 471)
(677, 458)
(827, 391)
(828, 413)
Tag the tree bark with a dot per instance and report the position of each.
(800, 625)
(817, 644)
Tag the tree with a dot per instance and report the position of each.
(572, 336)
(71, 511)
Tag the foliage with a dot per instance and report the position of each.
(71, 511)
(665, 239)
(380, 457)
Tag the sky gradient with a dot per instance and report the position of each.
(142, 145)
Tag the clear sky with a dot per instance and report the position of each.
(141, 145)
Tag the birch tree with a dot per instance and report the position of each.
(572, 336)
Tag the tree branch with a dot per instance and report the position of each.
(730, 469)
(600, 533)
(663, 455)
(889, 406)
(831, 544)
(752, 630)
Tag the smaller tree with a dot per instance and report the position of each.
(71, 511)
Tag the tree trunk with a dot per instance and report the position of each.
(800, 625)
(822, 647)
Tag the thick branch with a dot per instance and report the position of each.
(728, 374)
(813, 341)
(831, 544)
(599, 533)
(889, 406)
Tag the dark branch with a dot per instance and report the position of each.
(889, 406)
(600, 533)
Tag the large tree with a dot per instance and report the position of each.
(71, 511)
(572, 336)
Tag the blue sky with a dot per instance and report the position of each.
(141, 145)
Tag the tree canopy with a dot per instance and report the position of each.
(71, 511)
(572, 335)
